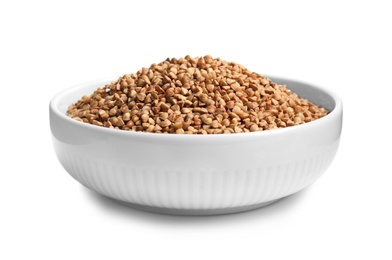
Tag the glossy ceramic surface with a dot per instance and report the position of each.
(197, 174)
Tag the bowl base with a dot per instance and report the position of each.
(196, 212)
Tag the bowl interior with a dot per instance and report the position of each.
(72, 95)
(312, 93)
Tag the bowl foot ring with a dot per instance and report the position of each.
(196, 212)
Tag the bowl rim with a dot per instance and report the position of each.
(53, 107)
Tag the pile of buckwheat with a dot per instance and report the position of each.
(199, 95)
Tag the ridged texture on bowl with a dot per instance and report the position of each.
(196, 172)
(195, 189)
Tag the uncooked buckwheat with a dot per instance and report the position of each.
(194, 96)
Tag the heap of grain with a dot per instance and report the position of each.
(194, 96)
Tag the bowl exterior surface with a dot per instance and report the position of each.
(192, 172)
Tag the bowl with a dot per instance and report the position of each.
(196, 174)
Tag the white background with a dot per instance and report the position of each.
(47, 46)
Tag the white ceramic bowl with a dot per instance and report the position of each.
(196, 174)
